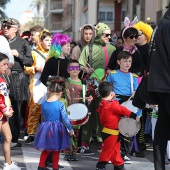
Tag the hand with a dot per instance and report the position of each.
(88, 70)
(39, 69)
(9, 113)
(15, 53)
(137, 119)
(71, 132)
(90, 98)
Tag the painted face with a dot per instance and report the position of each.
(46, 43)
(66, 49)
(106, 35)
(125, 64)
(88, 34)
(34, 36)
(3, 66)
(73, 69)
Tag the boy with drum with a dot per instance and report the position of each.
(110, 112)
(74, 95)
(124, 85)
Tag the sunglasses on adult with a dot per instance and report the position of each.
(107, 35)
(133, 36)
(8, 26)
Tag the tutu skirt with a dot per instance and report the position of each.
(52, 136)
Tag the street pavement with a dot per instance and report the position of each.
(27, 157)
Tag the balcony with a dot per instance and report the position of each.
(56, 7)
(56, 27)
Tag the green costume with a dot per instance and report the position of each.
(98, 56)
(99, 64)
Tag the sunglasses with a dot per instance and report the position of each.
(133, 36)
(8, 26)
(107, 35)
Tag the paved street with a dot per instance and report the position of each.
(27, 158)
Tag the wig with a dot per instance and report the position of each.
(145, 28)
(57, 42)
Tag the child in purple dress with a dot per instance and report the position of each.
(52, 134)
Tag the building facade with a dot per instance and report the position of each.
(67, 16)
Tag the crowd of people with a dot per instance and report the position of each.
(42, 75)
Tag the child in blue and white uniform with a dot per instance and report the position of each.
(52, 134)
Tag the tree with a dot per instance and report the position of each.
(2, 6)
(38, 4)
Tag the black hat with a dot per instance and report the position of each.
(11, 21)
(168, 6)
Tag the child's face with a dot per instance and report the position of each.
(66, 49)
(73, 69)
(125, 64)
(3, 66)
(46, 43)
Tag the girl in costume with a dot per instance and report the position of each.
(37, 89)
(56, 64)
(5, 112)
(52, 135)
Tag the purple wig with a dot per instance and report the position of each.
(57, 42)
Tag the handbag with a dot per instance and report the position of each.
(143, 96)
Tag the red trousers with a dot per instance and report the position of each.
(111, 151)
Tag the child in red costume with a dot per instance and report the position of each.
(110, 112)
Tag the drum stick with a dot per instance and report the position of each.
(80, 98)
(129, 99)
(82, 75)
(93, 72)
(58, 70)
(124, 138)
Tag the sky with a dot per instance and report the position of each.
(15, 8)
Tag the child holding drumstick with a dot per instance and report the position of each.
(110, 113)
(124, 85)
(74, 93)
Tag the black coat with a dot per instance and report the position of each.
(159, 73)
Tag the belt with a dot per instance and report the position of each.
(110, 131)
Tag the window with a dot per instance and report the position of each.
(106, 14)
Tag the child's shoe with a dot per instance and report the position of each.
(67, 157)
(13, 166)
(74, 158)
(41, 168)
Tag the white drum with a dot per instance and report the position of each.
(129, 106)
(78, 114)
(128, 126)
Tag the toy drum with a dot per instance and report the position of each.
(129, 106)
(78, 114)
(128, 126)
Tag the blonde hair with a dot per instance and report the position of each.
(145, 28)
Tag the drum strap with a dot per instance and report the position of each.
(110, 131)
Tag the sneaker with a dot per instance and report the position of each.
(18, 144)
(84, 144)
(48, 164)
(67, 157)
(30, 140)
(140, 154)
(41, 168)
(84, 151)
(100, 168)
(74, 158)
(166, 161)
(127, 160)
(13, 166)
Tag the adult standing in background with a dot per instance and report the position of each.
(19, 83)
(98, 59)
(159, 82)
(87, 37)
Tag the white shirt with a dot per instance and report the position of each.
(5, 49)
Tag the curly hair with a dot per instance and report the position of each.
(57, 42)
(145, 28)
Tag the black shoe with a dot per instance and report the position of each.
(84, 151)
(41, 168)
(50, 164)
(30, 140)
(140, 154)
(18, 144)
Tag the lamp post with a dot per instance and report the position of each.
(147, 20)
